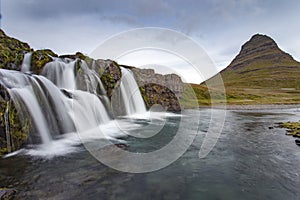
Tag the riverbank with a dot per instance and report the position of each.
(254, 107)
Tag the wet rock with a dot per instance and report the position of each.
(66, 93)
(14, 132)
(7, 194)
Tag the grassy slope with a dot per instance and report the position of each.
(260, 74)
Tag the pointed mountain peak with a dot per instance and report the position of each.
(259, 41)
(259, 48)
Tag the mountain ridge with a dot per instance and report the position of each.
(261, 73)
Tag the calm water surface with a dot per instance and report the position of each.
(250, 161)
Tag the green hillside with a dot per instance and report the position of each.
(260, 74)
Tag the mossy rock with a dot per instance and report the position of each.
(40, 58)
(158, 94)
(110, 74)
(79, 56)
(14, 132)
(293, 128)
(12, 52)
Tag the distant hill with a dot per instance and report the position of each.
(260, 74)
(261, 64)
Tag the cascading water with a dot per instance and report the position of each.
(131, 95)
(26, 63)
(68, 97)
(61, 73)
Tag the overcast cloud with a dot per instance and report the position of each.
(219, 26)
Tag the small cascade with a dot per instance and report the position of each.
(29, 99)
(7, 128)
(61, 72)
(26, 65)
(91, 80)
(131, 95)
(88, 111)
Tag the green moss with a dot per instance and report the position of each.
(110, 77)
(18, 129)
(11, 52)
(40, 58)
(293, 128)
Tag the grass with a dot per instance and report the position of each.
(199, 95)
(293, 128)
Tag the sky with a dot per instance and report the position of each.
(220, 27)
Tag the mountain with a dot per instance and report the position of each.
(262, 64)
(260, 74)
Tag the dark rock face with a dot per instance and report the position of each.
(165, 90)
(11, 52)
(259, 47)
(158, 94)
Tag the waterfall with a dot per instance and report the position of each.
(26, 63)
(131, 95)
(27, 95)
(52, 112)
(67, 97)
(61, 73)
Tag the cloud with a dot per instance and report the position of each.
(221, 27)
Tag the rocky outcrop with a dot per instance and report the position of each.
(14, 129)
(110, 73)
(11, 52)
(165, 90)
(40, 58)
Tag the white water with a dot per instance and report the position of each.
(61, 73)
(131, 95)
(26, 65)
(88, 111)
(64, 102)
(33, 107)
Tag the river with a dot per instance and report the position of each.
(249, 161)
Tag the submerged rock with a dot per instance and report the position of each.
(7, 194)
(293, 129)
